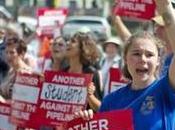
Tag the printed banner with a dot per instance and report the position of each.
(113, 120)
(115, 79)
(25, 99)
(50, 20)
(61, 95)
(137, 9)
(5, 124)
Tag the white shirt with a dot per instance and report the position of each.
(107, 64)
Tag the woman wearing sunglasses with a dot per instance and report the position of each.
(82, 54)
(56, 60)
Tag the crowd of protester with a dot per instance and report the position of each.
(145, 58)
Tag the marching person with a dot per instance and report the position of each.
(82, 53)
(113, 59)
(151, 100)
(14, 56)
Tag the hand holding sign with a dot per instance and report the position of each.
(161, 5)
(165, 9)
(91, 89)
(62, 94)
(86, 114)
(114, 120)
(135, 9)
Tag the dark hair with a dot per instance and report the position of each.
(130, 41)
(89, 51)
(18, 43)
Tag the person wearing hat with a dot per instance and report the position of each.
(112, 59)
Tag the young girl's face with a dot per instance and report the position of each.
(142, 60)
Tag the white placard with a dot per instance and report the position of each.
(25, 93)
(64, 93)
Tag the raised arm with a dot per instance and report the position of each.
(121, 28)
(166, 10)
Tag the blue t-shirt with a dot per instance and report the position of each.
(153, 107)
(166, 64)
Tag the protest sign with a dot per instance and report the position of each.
(115, 79)
(61, 95)
(50, 20)
(113, 120)
(24, 100)
(136, 9)
(5, 124)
